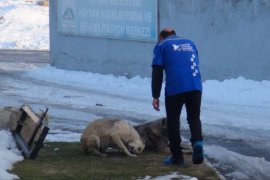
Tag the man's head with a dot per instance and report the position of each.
(166, 33)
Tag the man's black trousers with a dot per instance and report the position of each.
(174, 104)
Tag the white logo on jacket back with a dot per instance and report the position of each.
(176, 47)
(182, 47)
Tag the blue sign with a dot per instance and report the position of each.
(118, 19)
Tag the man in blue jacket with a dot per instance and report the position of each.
(178, 57)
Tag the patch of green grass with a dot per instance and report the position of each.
(65, 161)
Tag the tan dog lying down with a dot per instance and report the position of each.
(111, 133)
(8, 121)
(154, 134)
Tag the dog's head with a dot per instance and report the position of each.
(136, 147)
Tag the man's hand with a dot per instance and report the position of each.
(155, 104)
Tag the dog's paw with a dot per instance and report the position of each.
(133, 155)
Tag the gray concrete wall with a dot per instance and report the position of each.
(107, 56)
(232, 37)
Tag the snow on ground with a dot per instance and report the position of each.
(23, 25)
(173, 175)
(219, 107)
(232, 110)
(239, 163)
(9, 154)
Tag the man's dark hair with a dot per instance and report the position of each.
(167, 32)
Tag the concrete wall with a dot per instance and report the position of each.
(232, 37)
(108, 56)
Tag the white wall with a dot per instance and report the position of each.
(233, 38)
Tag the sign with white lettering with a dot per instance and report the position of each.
(118, 19)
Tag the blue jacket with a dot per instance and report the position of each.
(180, 61)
